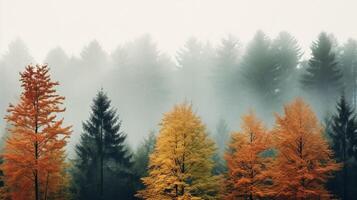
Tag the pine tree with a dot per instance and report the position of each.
(225, 75)
(249, 175)
(181, 164)
(286, 54)
(141, 157)
(103, 161)
(34, 152)
(221, 138)
(259, 71)
(323, 76)
(343, 134)
(304, 161)
(348, 63)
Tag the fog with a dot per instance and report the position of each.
(151, 55)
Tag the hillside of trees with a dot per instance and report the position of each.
(256, 121)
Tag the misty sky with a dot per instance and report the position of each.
(71, 24)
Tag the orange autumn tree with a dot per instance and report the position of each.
(304, 160)
(249, 175)
(34, 152)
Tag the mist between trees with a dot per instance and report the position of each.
(131, 88)
(220, 81)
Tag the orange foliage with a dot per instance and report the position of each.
(248, 174)
(304, 161)
(34, 153)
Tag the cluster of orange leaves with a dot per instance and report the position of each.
(34, 151)
(299, 165)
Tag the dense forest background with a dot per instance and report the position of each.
(221, 81)
(126, 143)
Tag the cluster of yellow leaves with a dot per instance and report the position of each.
(181, 164)
(34, 152)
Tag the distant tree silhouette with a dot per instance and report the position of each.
(323, 76)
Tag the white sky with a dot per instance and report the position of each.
(71, 24)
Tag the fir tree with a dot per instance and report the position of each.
(225, 75)
(103, 161)
(286, 54)
(259, 71)
(323, 77)
(348, 62)
(141, 157)
(343, 134)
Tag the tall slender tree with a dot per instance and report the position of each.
(343, 134)
(304, 161)
(286, 54)
(249, 171)
(34, 152)
(103, 161)
(225, 75)
(142, 155)
(348, 62)
(181, 164)
(323, 76)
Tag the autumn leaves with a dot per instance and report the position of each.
(34, 153)
(291, 161)
(180, 166)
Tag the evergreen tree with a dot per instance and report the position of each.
(343, 134)
(103, 161)
(323, 77)
(348, 62)
(141, 157)
(259, 71)
(221, 137)
(142, 77)
(225, 75)
(12, 61)
(286, 54)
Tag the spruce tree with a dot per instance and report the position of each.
(259, 71)
(103, 160)
(348, 62)
(225, 75)
(286, 54)
(342, 132)
(142, 154)
(323, 77)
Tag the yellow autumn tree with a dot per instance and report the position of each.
(304, 160)
(34, 155)
(181, 164)
(249, 174)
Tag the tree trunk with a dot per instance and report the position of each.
(37, 185)
(101, 161)
(46, 189)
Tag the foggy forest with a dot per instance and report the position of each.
(265, 118)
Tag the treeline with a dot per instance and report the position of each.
(296, 159)
(144, 82)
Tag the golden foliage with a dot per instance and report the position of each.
(181, 164)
